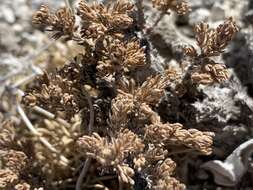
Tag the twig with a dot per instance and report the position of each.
(36, 133)
(67, 3)
(159, 18)
(24, 80)
(83, 173)
(49, 115)
(104, 178)
(40, 110)
(91, 121)
(140, 12)
(90, 127)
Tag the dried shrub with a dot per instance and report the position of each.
(114, 152)
(211, 42)
(55, 93)
(163, 173)
(61, 23)
(132, 138)
(98, 20)
(14, 167)
(120, 57)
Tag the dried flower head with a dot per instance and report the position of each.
(121, 56)
(16, 161)
(55, 94)
(122, 107)
(125, 174)
(149, 93)
(61, 23)
(174, 134)
(212, 42)
(98, 20)
(111, 152)
(210, 74)
(179, 6)
(114, 152)
(152, 89)
(7, 179)
(163, 176)
(7, 134)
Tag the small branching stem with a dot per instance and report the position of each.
(158, 19)
(90, 128)
(30, 126)
(42, 111)
(141, 16)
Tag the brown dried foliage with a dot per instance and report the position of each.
(99, 20)
(179, 6)
(113, 152)
(119, 57)
(6, 135)
(211, 42)
(139, 104)
(59, 92)
(163, 175)
(62, 23)
(14, 163)
(174, 134)
(133, 137)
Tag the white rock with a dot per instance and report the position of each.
(8, 14)
(198, 15)
(217, 12)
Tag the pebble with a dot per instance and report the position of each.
(217, 12)
(198, 16)
(7, 14)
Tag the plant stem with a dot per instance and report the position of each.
(141, 19)
(90, 128)
(30, 126)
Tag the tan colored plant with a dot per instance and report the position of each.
(113, 152)
(179, 6)
(211, 42)
(132, 138)
(62, 23)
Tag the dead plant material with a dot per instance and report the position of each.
(179, 6)
(125, 135)
(211, 42)
(61, 23)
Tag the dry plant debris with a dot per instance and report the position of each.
(128, 136)
(179, 6)
(62, 23)
(14, 163)
(211, 42)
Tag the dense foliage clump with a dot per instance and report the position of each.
(107, 132)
